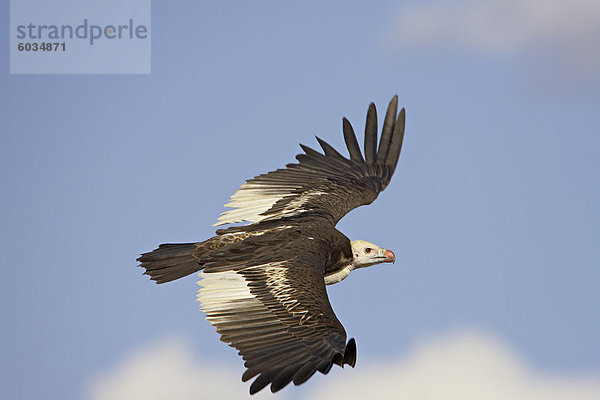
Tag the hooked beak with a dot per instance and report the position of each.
(389, 256)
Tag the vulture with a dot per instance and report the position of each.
(263, 283)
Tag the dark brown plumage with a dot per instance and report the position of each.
(264, 283)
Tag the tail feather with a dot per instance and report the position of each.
(170, 262)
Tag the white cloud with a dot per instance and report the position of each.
(468, 365)
(164, 370)
(557, 35)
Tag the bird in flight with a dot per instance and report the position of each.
(263, 284)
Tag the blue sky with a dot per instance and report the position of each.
(492, 213)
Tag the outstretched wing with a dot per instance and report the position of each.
(277, 314)
(328, 184)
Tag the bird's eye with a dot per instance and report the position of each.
(368, 250)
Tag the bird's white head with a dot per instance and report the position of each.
(367, 254)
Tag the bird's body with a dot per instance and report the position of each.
(263, 284)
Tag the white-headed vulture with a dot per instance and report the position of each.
(263, 284)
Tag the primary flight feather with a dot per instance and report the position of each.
(263, 284)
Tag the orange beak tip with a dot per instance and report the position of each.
(390, 256)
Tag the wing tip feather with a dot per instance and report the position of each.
(370, 147)
(351, 142)
(350, 353)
